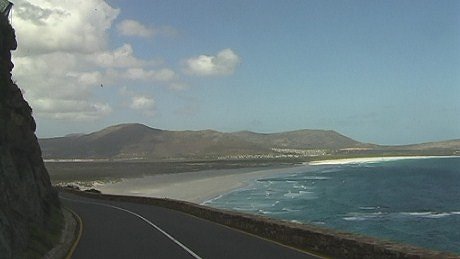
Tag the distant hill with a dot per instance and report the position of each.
(301, 139)
(137, 141)
(440, 145)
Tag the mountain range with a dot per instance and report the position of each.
(137, 141)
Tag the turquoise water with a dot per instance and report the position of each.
(411, 201)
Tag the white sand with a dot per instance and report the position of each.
(202, 186)
(197, 187)
(369, 160)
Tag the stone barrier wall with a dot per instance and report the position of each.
(326, 242)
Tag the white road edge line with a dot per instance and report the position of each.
(144, 219)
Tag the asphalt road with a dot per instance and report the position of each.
(130, 230)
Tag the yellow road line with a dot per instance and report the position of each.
(80, 232)
(188, 250)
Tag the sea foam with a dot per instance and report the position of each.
(370, 160)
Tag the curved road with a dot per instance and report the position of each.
(130, 230)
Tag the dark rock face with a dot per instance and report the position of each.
(27, 200)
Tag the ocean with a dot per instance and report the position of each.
(414, 201)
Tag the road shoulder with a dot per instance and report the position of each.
(70, 236)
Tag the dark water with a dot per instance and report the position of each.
(410, 201)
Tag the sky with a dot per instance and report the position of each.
(384, 72)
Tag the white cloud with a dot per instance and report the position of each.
(134, 28)
(224, 63)
(137, 101)
(142, 102)
(71, 109)
(178, 86)
(44, 26)
(164, 74)
(56, 42)
(90, 78)
(53, 75)
(120, 57)
(63, 57)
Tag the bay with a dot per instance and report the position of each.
(414, 201)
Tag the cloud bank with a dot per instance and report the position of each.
(64, 61)
(64, 57)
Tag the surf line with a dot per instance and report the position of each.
(188, 250)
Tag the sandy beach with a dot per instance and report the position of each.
(197, 187)
(370, 160)
(202, 186)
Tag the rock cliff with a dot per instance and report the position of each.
(29, 207)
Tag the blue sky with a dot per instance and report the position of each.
(385, 72)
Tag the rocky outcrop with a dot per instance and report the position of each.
(29, 207)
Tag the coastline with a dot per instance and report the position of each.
(197, 187)
(234, 180)
(310, 238)
(203, 186)
(362, 160)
